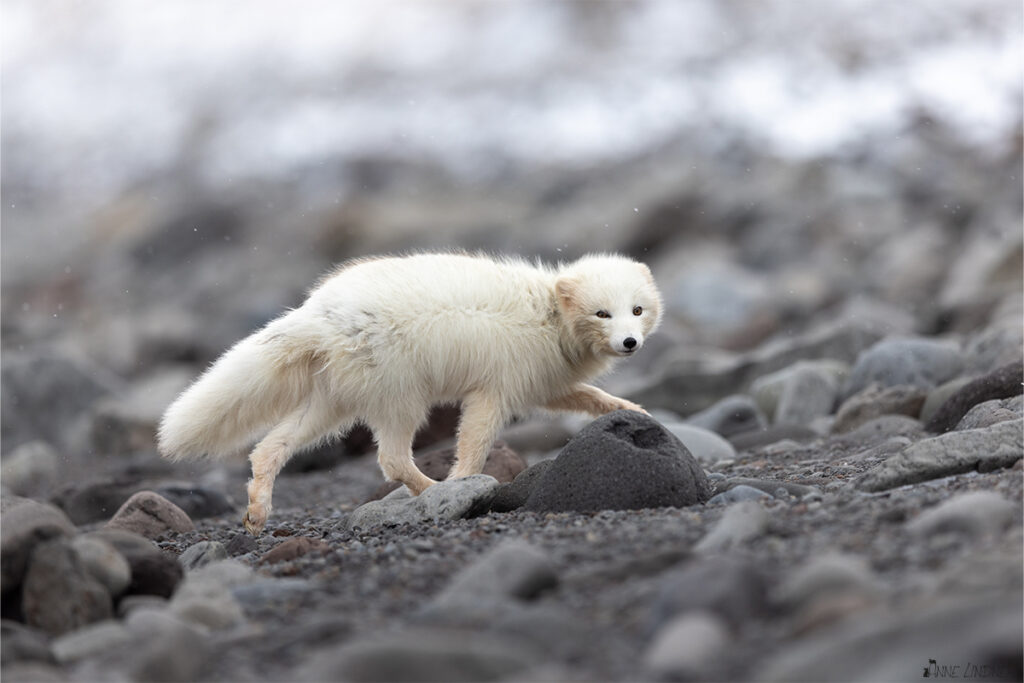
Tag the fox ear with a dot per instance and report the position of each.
(646, 273)
(567, 288)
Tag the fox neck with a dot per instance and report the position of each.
(583, 361)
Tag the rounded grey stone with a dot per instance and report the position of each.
(732, 415)
(740, 523)
(203, 553)
(513, 569)
(105, 563)
(976, 513)
(686, 645)
(454, 499)
(921, 362)
(737, 494)
(704, 444)
(621, 461)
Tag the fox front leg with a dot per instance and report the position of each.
(588, 399)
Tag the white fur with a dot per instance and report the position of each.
(383, 340)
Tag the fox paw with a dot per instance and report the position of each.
(629, 405)
(255, 518)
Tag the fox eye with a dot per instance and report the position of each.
(603, 314)
(637, 310)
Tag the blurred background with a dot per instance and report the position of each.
(176, 174)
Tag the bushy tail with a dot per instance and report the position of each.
(248, 390)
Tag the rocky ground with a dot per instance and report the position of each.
(847, 544)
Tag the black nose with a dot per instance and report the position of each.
(629, 342)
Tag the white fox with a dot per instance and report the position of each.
(382, 340)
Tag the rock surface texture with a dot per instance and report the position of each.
(622, 461)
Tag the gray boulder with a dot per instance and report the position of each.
(435, 655)
(59, 594)
(975, 513)
(43, 390)
(90, 641)
(732, 415)
(687, 646)
(203, 553)
(992, 412)
(150, 514)
(875, 401)
(725, 585)
(25, 524)
(738, 494)
(153, 572)
(808, 393)
(924, 363)
(983, 450)
(30, 469)
(740, 523)
(704, 444)
(881, 645)
(454, 499)
(105, 563)
(513, 569)
(1001, 383)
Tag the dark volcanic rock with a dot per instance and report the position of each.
(621, 461)
(1001, 383)
(502, 463)
(513, 495)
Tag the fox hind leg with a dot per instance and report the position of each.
(300, 428)
(394, 453)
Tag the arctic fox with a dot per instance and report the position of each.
(382, 340)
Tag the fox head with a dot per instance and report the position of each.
(610, 303)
